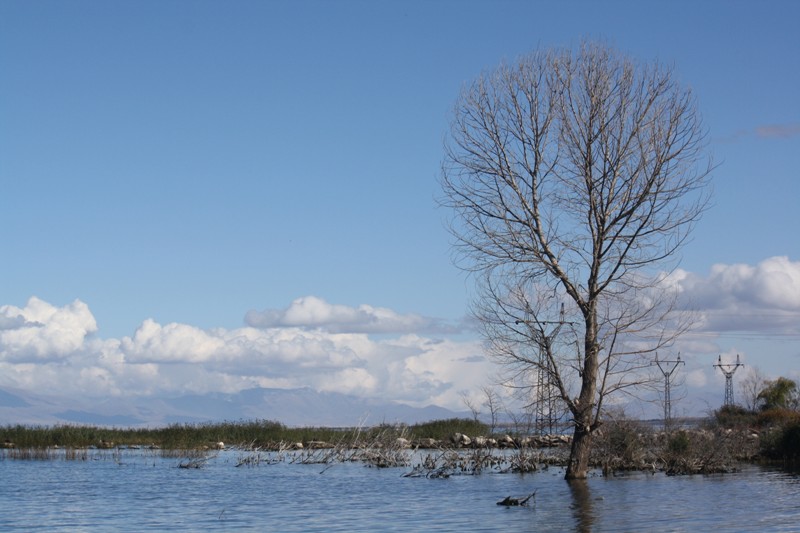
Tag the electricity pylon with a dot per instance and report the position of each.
(667, 371)
(728, 369)
(546, 408)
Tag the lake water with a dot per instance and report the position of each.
(137, 490)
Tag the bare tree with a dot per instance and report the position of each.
(751, 386)
(573, 177)
(494, 404)
(472, 406)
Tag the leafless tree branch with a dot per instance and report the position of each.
(574, 178)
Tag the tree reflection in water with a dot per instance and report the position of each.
(581, 505)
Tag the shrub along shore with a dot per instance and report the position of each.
(456, 445)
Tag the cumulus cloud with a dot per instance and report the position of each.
(313, 312)
(171, 343)
(311, 344)
(41, 331)
(366, 351)
(739, 297)
(11, 321)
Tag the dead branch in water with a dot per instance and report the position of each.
(512, 502)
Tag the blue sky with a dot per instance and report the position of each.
(176, 174)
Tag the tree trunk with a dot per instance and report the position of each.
(578, 466)
(583, 410)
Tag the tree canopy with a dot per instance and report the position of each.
(779, 394)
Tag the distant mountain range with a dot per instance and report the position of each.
(292, 407)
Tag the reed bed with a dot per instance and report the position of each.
(256, 434)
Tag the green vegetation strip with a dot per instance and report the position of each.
(258, 433)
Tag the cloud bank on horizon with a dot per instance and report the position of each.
(366, 351)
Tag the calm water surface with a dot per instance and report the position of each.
(141, 491)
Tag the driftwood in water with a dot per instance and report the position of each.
(511, 502)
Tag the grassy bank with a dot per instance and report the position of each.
(258, 433)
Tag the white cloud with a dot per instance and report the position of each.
(697, 378)
(313, 312)
(366, 351)
(49, 348)
(171, 343)
(740, 297)
(445, 369)
(356, 381)
(41, 331)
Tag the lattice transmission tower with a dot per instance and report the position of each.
(667, 370)
(728, 369)
(546, 409)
